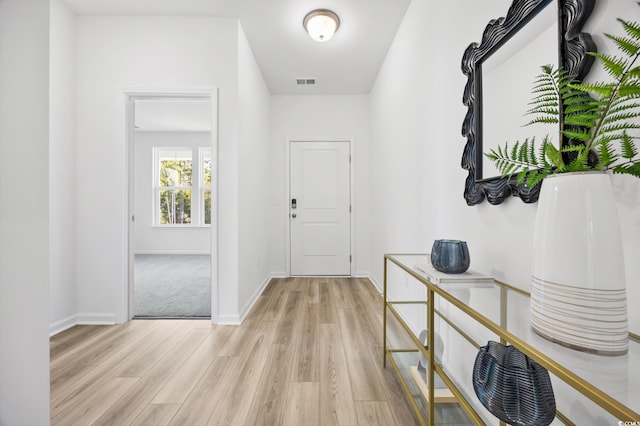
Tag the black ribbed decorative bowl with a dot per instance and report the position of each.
(450, 256)
(513, 387)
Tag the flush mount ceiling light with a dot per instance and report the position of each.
(321, 24)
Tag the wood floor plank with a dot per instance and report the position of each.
(236, 344)
(156, 415)
(269, 401)
(311, 290)
(241, 382)
(137, 366)
(397, 399)
(98, 400)
(305, 364)
(278, 285)
(365, 379)
(328, 311)
(340, 290)
(365, 311)
(374, 413)
(132, 403)
(74, 366)
(290, 318)
(201, 403)
(303, 404)
(268, 315)
(336, 399)
(89, 376)
(177, 389)
(61, 343)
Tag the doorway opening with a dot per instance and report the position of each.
(172, 209)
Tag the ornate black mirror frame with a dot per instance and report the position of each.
(573, 46)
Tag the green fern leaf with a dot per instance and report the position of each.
(573, 148)
(634, 73)
(604, 90)
(542, 120)
(607, 137)
(631, 28)
(580, 120)
(579, 134)
(624, 107)
(629, 169)
(629, 90)
(618, 127)
(626, 45)
(606, 156)
(613, 65)
(543, 157)
(522, 152)
(553, 155)
(628, 148)
(580, 162)
(532, 154)
(514, 150)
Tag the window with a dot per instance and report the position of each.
(205, 187)
(182, 193)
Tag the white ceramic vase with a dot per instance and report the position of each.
(578, 294)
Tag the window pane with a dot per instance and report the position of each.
(207, 206)
(175, 207)
(176, 168)
(206, 168)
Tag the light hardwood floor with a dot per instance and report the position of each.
(309, 353)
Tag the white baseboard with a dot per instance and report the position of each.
(174, 252)
(238, 319)
(375, 283)
(249, 305)
(96, 319)
(228, 320)
(279, 275)
(62, 325)
(80, 319)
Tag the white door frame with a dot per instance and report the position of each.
(352, 197)
(127, 293)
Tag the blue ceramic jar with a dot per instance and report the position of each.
(450, 256)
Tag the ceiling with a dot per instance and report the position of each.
(345, 65)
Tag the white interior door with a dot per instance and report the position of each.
(319, 208)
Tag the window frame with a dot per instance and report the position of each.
(202, 151)
(197, 188)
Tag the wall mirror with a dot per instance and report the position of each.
(500, 71)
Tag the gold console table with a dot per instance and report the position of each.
(473, 313)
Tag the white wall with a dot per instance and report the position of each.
(155, 239)
(416, 118)
(627, 188)
(253, 177)
(416, 148)
(24, 212)
(116, 54)
(317, 117)
(62, 160)
(417, 115)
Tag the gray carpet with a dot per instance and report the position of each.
(172, 285)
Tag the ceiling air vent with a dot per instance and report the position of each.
(305, 81)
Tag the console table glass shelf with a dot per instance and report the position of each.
(461, 317)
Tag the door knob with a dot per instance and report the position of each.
(293, 215)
